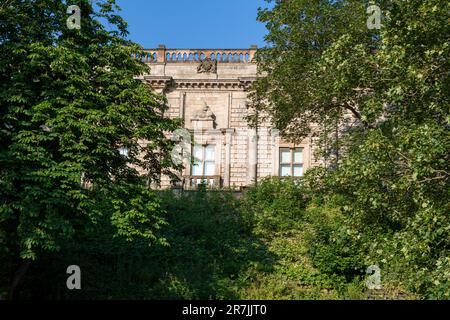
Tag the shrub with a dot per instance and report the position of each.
(334, 247)
(274, 205)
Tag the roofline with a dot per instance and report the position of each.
(253, 47)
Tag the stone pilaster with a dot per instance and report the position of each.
(252, 155)
(227, 166)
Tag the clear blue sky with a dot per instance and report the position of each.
(194, 23)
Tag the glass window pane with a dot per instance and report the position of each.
(210, 153)
(197, 170)
(285, 170)
(285, 155)
(298, 155)
(198, 153)
(298, 170)
(209, 168)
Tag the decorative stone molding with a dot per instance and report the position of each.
(207, 66)
(204, 119)
(246, 82)
(159, 83)
(166, 55)
(228, 133)
(208, 89)
(162, 83)
(204, 114)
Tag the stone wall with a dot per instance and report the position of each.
(208, 88)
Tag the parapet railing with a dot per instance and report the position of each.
(162, 55)
(194, 182)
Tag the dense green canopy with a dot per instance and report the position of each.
(391, 157)
(69, 100)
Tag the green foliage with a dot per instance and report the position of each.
(214, 250)
(69, 99)
(207, 250)
(211, 244)
(309, 64)
(391, 159)
(335, 249)
(275, 205)
(316, 255)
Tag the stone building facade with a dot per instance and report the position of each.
(208, 89)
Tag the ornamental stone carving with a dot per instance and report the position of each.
(205, 114)
(207, 66)
(204, 119)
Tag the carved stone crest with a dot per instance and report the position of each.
(207, 66)
(205, 114)
(204, 119)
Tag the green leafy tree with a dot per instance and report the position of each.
(380, 98)
(70, 99)
(308, 78)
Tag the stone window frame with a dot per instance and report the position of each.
(279, 143)
(206, 137)
(292, 164)
(204, 160)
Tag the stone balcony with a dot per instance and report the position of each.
(194, 182)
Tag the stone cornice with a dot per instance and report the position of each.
(163, 82)
(158, 83)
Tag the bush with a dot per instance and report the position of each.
(417, 257)
(274, 205)
(207, 246)
(334, 248)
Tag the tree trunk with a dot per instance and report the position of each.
(18, 277)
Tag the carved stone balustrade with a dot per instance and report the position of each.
(164, 55)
